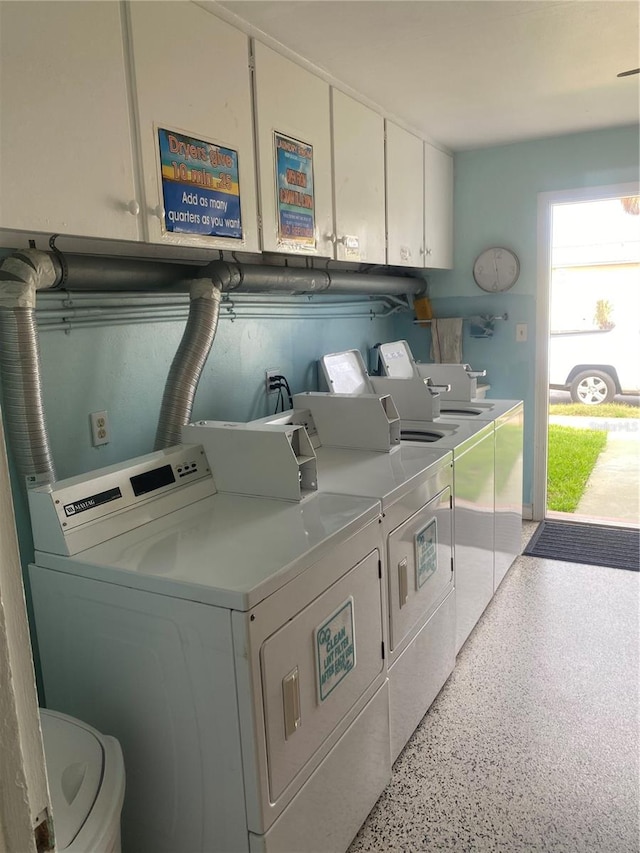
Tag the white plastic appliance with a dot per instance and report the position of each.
(466, 400)
(233, 644)
(86, 777)
(397, 361)
(414, 485)
(472, 445)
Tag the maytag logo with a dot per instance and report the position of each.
(92, 502)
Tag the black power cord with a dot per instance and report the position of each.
(279, 383)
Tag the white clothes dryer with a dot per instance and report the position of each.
(472, 446)
(466, 399)
(414, 486)
(233, 644)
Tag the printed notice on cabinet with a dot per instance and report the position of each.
(426, 553)
(200, 186)
(295, 202)
(335, 649)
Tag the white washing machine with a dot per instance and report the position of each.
(472, 446)
(466, 399)
(414, 486)
(86, 777)
(232, 644)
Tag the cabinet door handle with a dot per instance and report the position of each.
(133, 207)
(291, 703)
(403, 582)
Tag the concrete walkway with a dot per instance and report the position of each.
(613, 489)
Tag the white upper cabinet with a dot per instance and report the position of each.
(67, 160)
(293, 131)
(438, 208)
(405, 203)
(192, 86)
(358, 180)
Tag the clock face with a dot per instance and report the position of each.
(496, 270)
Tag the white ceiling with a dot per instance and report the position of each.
(470, 73)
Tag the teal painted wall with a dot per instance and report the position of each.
(123, 369)
(495, 204)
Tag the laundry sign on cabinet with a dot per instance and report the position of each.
(200, 186)
(295, 202)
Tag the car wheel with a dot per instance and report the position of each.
(592, 387)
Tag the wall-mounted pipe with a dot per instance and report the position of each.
(87, 272)
(27, 271)
(21, 275)
(187, 365)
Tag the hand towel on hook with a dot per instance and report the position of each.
(446, 340)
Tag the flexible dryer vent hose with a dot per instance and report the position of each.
(21, 275)
(187, 365)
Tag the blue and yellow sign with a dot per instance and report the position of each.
(295, 201)
(200, 186)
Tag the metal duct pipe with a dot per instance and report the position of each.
(92, 272)
(187, 365)
(250, 278)
(21, 275)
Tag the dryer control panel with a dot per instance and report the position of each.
(71, 515)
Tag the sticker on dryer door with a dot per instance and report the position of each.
(426, 546)
(335, 647)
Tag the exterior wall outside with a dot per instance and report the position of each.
(576, 291)
(495, 204)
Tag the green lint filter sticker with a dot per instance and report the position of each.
(335, 649)
(426, 546)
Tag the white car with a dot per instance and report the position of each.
(595, 365)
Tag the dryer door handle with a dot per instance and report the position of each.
(291, 703)
(403, 582)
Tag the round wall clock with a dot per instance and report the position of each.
(496, 269)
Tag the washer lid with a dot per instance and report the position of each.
(345, 372)
(74, 759)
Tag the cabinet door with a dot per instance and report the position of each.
(358, 180)
(438, 208)
(192, 77)
(67, 160)
(292, 106)
(405, 204)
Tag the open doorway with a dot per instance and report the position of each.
(587, 464)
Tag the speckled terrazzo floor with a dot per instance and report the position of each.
(532, 745)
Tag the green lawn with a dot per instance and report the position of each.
(604, 410)
(572, 455)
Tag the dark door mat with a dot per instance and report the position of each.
(593, 544)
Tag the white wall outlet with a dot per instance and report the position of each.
(273, 371)
(521, 332)
(100, 433)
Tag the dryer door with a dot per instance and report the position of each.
(420, 566)
(317, 666)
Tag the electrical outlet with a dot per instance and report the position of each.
(100, 433)
(521, 332)
(269, 374)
